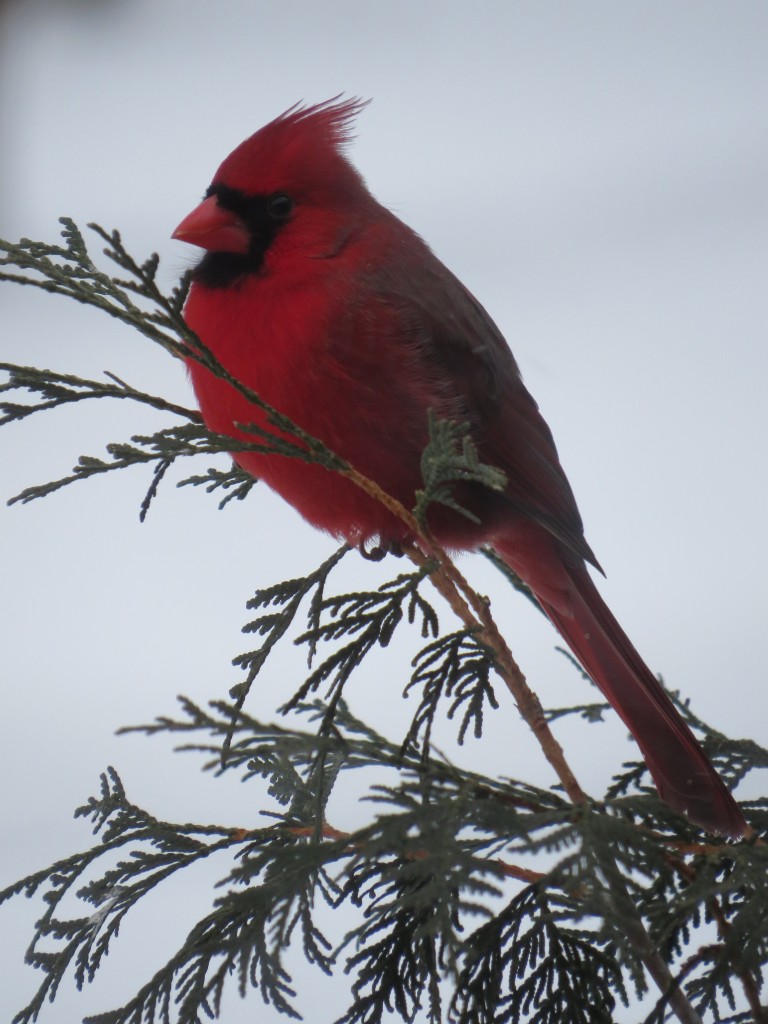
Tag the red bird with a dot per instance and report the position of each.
(315, 296)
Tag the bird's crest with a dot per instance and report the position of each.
(303, 144)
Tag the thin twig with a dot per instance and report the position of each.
(748, 983)
(449, 582)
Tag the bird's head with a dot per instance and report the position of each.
(288, 191)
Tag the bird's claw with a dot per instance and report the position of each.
(379, 551)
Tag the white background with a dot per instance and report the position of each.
(594, 172)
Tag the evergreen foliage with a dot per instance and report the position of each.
(477, 900)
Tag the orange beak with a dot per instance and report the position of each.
(211, 227)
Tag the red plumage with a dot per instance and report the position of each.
(338, 315)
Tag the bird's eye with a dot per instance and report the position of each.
(279, 206)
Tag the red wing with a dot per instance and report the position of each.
(476, 372)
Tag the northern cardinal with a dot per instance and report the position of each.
(315, 296)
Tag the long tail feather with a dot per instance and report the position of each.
(683, 775)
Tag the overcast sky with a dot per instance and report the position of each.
(594, 172)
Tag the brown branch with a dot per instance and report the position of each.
(335, 835)
(474, 612)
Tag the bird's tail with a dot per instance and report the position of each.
(683, 775)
